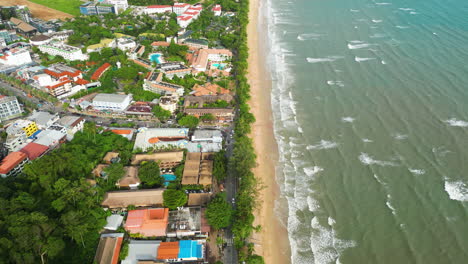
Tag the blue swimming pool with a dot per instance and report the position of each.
(219, 65)
(155, 57)
(168, 178)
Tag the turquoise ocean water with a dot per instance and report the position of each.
(370, 103)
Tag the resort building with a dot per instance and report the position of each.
(169, 103)
(108, 250)
(137, 198)
(171, 69)
(97, 8)
(166, 160)
(111, 102)
(125, 44)
(119, 4)
(208, 89)
(100, 71)
(66, 51)
(198, 169)
(15, 57)
(206, 141)
(200, 101)
(61, 80)
(197, 43)
(148, 222)
(204, 56)
(129, 179)
(222, 115)
(161, 138)
(143, 62)
(13, 164)
(157, 9)
(184, 20)
(180, 8)
(39, 40)
(216, 10)
(140, 109)
(155, 84)
(9, 108)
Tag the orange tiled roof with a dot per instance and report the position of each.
(209, 89)
(11, 161)
(121, 131)
(98, 73)
(168, 250)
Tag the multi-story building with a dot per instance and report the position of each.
(157, 9)
(13, 164)
(97, 8)
(197, 43)
(16, 57)
(64, 80)
(18, 133)
(66, 51)
(155, 84)
(72, 124)
(180, 8)
(214, 55)
(119, 4)
(184, 20)
(125, 44)
(169, 103)
(9, 108)
(171, 69)
(7, 35)
(111, 102)
(23, 27)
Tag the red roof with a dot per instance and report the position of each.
(64, 73)
(34, 150)
(184, 18)
(11, 161)
(193, 13)
(216, 8)
(196, 8)
(98, 73)
(81, 81)
(121, 131)
(159, 6)
(161, 43)
(58, 84)
(180, 4)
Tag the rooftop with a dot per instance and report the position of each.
(153, 137)
(198, 199)
(11, 161)
(34, 150)
(148, 222)
(209, 89)
(122, 199)
(160, 157)
(168, 250)
(108, 249)
(141, 250)
(70, 121)
(112, 98)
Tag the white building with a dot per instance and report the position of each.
(180, 8)
(216, 10)
(184, 20)
(15, 57)
(43, 119)
(112, 102)
(213, 55)
(169, 103)
(119, 4)
(161, 138)
(72, 124)
(157, 9)
(125, 44)
(66, 51)
(207, 136)
(9, 108)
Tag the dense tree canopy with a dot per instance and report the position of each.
(219, 165)
(160, 113)
(189, 121)
(219, 212)
(174, 198)
(149, 174)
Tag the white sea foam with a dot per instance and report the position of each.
(457, 190)
(377, 20)
(348, 119)
(406, 9)
(379, 180)
(417, 171)
(308, 36)
(402, 27)
(413, 13)
(399, 136)
(434, 33)
(378, 35)
(389, 204)
(331, 221)
(354, 10)
(337, 83)
(366, 140)
(313, 204)
(323, 144)
(383, 62)
(360, 45)
(325, 246)
(359, 59)
(312, 171)
(326, 59)
(383, 3)
(456, 123)
(368, 160)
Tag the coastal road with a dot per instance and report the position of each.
(230, 252)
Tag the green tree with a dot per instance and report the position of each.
(208, 118)
(219, 212)
(255, 259)
(149, 174)
(189, 121)
(174, 198)
(160, 113)
(219, 165)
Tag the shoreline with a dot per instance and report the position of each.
(272, 240)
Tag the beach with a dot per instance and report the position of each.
(272, 240)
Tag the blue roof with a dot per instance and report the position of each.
(35, 134)
(189, 249)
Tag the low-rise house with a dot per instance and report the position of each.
(161, 138)
(182, 251)
(166, 160)
(208, 89)
(72, 124)
(9, 108)
(62, 80)
(113, 222)
(222, 115)
(140, 109)
(138, 198)
(23, 28)
(142, 251)
(186, 222)
(13, 164)
(148, 222)
(157, 44)
(111, 157)
(51, 137)
(129, 179)
(207, 135)
(143, 62)
(125, 44)
(99, 171)
(104, 43)
(198, 169)
(108, 250)
(111, 102)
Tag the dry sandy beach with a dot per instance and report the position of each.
(272, 241)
